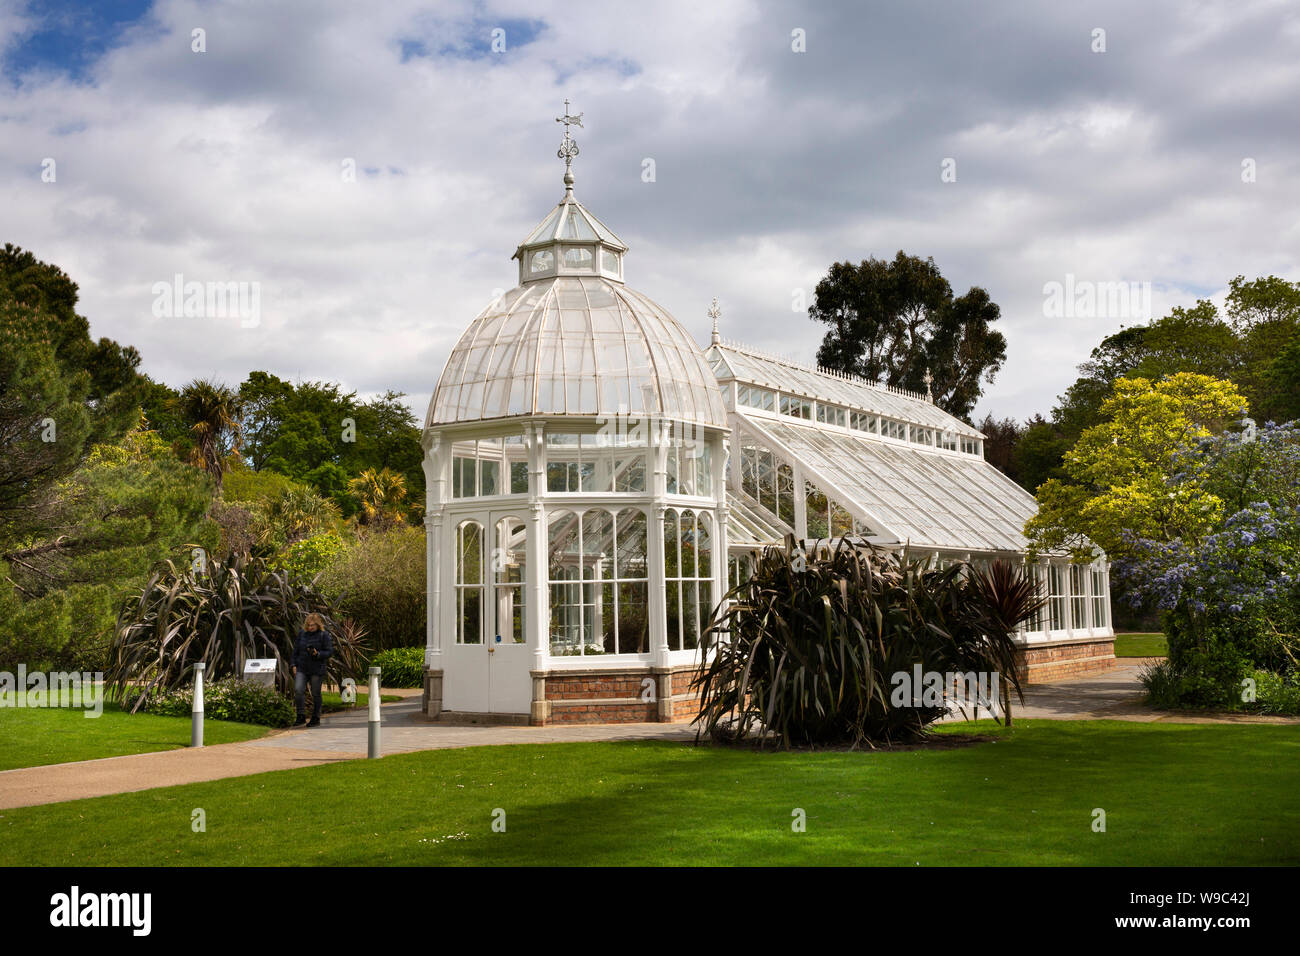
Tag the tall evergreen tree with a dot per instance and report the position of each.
(44, 420)
(50, 317)
(894, 322)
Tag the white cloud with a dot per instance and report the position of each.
(225, 166)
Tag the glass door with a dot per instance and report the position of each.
(510, 657)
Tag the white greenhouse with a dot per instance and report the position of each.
(596, 480)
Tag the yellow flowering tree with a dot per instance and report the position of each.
(1118, 473)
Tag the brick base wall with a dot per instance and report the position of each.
(594, 697)
(686, 702)
(604, 712)
(1048, 662)
(618, 697)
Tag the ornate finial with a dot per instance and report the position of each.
(929, 380)
(569, 148)
(715, 313)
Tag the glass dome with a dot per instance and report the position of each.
(576, 345)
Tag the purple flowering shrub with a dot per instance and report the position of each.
(1232, 597)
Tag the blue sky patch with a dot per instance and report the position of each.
(476, 40)
(70, 37)
(619, 65)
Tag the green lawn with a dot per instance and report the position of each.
(1173, 794)
(331, 702)
(1141, 645)
(34, 736)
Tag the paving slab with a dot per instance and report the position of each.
(1115, 692)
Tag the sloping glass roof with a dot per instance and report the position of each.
(730, 361)
(926, 498)
(748, 526)
(570, 219)
(576, 345)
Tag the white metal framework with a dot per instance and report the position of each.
(819, 454)
(576, 457)
(596, 481)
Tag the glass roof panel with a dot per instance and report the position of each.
(930, 499)
(572, 220)
(546, 229)
(770, 372)
(576, 225)
(603, 231)
(749, 526)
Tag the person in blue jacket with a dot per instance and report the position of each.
(312, 649)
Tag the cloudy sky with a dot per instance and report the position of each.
(1172, 158)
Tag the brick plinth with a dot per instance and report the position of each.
(598, 696)
(611, 697)
(1039, 663)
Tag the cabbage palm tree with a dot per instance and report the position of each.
(382, 495)
(212, 412)
(297, 513)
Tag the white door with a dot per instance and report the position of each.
(488, 663)
(510, 687)
(465, 674)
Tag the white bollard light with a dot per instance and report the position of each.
(372, 751)
(196, 728)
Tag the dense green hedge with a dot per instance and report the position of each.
(1209, 667)
(244, 701)
(379, 582)
(400, 666)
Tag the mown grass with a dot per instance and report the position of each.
(1141, 645)
(1173, 794)
(36, 736)
(332, 701)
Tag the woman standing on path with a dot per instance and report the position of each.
(312, 649)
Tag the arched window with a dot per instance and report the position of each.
(564, 559)
(509, 572)
(469, 583)
(1099, 596)
(632, 617)
(688, 570)
(1057, 603)
(1078, 597)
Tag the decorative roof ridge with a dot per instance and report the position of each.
(822, 370)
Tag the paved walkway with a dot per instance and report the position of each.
(340, 737)
(1115, 694)
(405, 730)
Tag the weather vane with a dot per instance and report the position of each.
(569, 148)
